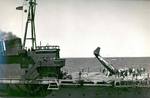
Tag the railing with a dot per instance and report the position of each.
(137, 83)
(46, 47)
(25, 81)
(54, 84)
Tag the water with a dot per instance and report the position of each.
(92, 64)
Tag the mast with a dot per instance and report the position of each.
(30, 20)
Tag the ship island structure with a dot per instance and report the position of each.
(42, 75)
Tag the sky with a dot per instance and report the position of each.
(120, 27)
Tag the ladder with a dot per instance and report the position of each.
(53, 85)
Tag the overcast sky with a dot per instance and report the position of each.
(119, 27)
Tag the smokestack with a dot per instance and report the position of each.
(10, 43)
(7, 35)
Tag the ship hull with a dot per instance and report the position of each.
(23, 90)
(75, 91)
(100, 92)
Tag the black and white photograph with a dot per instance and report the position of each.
(74, 48)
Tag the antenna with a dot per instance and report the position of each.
(30, 20)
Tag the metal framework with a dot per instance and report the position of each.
(30, 20)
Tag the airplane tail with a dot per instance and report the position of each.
(97, 51)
